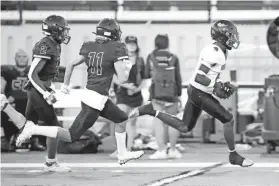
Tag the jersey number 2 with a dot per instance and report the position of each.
(95, 62)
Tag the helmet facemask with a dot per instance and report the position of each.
(59, 33)
(64, 35)
(233, 39)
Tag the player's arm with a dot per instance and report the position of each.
(33, 75)
(70, 68)
(122, 68)
(3, 85)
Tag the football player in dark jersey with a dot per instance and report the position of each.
(13, 80)
(44, 68)
(104, 57)
(204, 84)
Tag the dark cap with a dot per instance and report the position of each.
(131, 39)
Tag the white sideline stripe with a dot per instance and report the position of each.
(135, 165)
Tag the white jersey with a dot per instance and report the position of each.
(212, 62)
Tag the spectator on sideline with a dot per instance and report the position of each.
(129, 95)
(163, 68)
(13, 80)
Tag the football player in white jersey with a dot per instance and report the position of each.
(204, 85)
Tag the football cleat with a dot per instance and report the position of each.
(4, 101)
(129, 155)
(55, 167)
(236, 159)
(27, 132)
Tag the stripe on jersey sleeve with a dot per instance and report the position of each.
(202, 79)
(204, 68)
(34, 64)
(123, 57)
(39, 56)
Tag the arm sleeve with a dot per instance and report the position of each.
(120, 52)
(178, 77)
(43, 50)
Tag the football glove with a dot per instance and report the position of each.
(229, 88)
(50, 97)
(223, 90)
(65, 89)
(219, 90)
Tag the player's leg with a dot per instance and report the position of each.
(46, 113)
(17, 118)
(169, 119)
(84, 120)
(129, 130)
(213, 107)
(115, 114)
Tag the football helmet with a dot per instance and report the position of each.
(225, 32)
(109, 28)
(57, 27)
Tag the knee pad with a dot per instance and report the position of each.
(227, 118)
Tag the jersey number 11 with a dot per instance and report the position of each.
(95, 62)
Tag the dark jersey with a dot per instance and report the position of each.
(48, 49)
(100, 58)
(16, 81)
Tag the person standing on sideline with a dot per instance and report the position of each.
(129, 94)
(165, 91)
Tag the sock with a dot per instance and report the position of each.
(49, 162)
(17, 118)
(172, 121)
(229, 135)
(47, 131)
(121, 142)
(52, 144)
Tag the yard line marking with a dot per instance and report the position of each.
(187, 174)
(137, 165)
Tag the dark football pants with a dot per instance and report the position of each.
(38, 109)
(199, 101)
(88, 116)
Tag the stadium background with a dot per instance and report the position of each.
(188, 25)
(186, 22)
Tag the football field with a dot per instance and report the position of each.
(199, 167)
